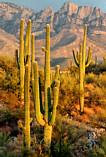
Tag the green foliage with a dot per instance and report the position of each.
(90, 78)
(68, 96)
(9, 154)
(97, 68)
(98, 80)
(4, 139)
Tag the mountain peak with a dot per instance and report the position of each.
(69, 7)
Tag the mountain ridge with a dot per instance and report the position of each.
(66, 27)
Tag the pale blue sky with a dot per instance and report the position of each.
(40, 4)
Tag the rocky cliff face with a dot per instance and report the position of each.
(66, 26)
(68, 16)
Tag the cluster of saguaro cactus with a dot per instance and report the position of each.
(24, 64)
(46, 114)
(82, 62)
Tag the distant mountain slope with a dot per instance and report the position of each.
(8, 44)
(66, 27)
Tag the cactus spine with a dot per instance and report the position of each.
(48, 118)
(82, 62)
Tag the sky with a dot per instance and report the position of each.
(56, 4)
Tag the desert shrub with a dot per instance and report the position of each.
(2, 75)
(74, 71)
(4, 139)
(99, 150)
(96, 88)
(9, 154)
(96, 96)
(102, 80)
(68, 138)
(91, 78)
(97, 68)
(10, 117)
(68, 93)
(10, 80)
(98, 80)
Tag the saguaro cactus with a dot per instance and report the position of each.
(82, 62)
(47, 117)
(24, 62)
(20, 59)
(27, 85)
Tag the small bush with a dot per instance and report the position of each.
(91, 78)
(4, 139)
(99, 150)
(10, 81)
(68, 93)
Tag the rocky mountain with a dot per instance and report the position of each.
(8, 43)
(66, 27)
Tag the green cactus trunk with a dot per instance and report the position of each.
(27, 85)
(33, 54)
(27, 106)
(21, 59)
(82, 63)
(47, 135)
(81, 78)
(47, 128)
(47, 72)
(24, 64)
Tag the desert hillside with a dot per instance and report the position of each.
(52, 104)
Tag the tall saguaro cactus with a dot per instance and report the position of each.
(27, 85)
(46, 118)
(82, 62)
(21, 59)
(24, 62)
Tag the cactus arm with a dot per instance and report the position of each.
(49, 103)
(33, 53)
(84, 49)
(32, 60)
(21, 59)
(55, 102)
(77, 56)
(75, 59)
(44, 49)
(28, 40)
(57, 72)
(88, 61)
(17, 58)
(57, 75)
(47, 71)
(39, 116)
(27, 106)
(40, 93)
(81, 79)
